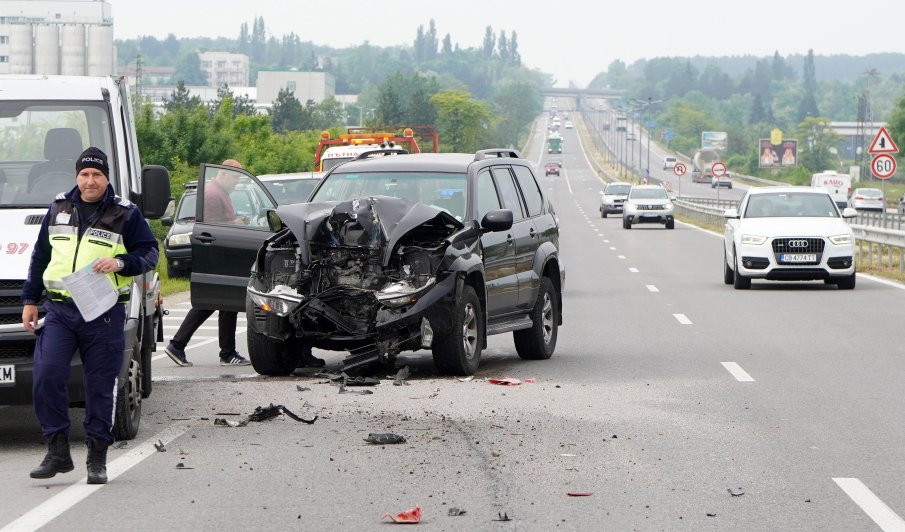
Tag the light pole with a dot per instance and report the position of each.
(646, 104)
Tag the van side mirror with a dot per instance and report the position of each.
(155, 191)
(498, 220)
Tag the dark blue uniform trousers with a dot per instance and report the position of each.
(101, 346)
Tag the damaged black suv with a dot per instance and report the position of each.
(398, 253)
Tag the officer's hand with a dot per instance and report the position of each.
(106, 265)
(30, 318)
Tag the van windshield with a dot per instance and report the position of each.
(39, 143)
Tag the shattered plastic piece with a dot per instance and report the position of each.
(182, 465)
(301, 388)
(409, 516)
(401, 375)
(120, 445)
(455, 512)
(227, 414)
(529, 381)
(342, 389)
(272, 411)
(710, 514)
(505, 381)
(735, 493)
(384, 439)
(579, 493)
(161, 448)
(332, 377)
(567, 454)
(222, 422)
(361, 381)
(502, 517)
(467, 379)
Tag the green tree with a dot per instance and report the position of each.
(816, 142)
(241, 105)
(286, 114)
(188, 70)
(181, 99)
(808, 106)
(447, 45)
(462, 121)
(896, 123)
(757, 114)
(390, 100)
(489, 43)
(516, 105)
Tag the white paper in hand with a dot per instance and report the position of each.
(93, 293)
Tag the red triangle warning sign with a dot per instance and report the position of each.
(883, 143)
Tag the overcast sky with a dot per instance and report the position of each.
(572, 39)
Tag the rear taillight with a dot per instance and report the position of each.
(857, 197)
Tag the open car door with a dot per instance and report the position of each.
(230, 226)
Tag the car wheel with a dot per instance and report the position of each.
(730, 187)
(269, 356)
(602, 212)
(538, 342)
(671, 224)
(458, 351)
(728, 274)
(127, 411)
(846, 283)
(626, 224)
(712, 185)
(740, 282)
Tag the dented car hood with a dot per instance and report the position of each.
(373, 222)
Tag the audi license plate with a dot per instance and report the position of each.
(7, 375)
(795, 258)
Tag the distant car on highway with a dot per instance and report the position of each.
(669, 162)
(788, 234)
(867, 199)
(569, 125)
(553, 167)
(613, 197)
(648, 204)
(722, 181)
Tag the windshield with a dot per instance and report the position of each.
(287, 191)
(187, 206)
(618, 189)
(649, 193)
(329, 164)
(442, 190)
(39, 143)
(791, 204)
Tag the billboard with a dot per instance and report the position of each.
(780, 155)
(714, 140)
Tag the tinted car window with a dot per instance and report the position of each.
(291, 190)
(187, 207)
(487, 197)
(533, 199)
(508, 192)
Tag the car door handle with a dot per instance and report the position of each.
(508, 240)
(532, 233)
(206, 238)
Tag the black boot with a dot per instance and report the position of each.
(97, 461)
(58, 459)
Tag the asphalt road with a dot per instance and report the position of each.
(667, 391)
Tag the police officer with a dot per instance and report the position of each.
(87, 226)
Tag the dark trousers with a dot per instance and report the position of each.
(101, 345)
(226, 322)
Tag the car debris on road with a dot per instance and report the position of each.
(411, 516)
(384, 438)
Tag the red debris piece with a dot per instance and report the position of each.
(412, 516)
(505, 381)
(530, 381)
(579, 493)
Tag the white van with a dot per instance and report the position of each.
(838, 185)
(669, 162)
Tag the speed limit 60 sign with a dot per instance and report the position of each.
(883, 165)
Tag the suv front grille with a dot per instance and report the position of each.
(798, 245)
(651, 207)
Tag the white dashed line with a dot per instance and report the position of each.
(613, 248)
(652, 288)
(633, 270)
(681, 318)
(620, 257)
(886, 519)
(605, 241)
(737, 372)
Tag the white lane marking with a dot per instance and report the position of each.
(55, 506)
(601, 234)
(206, 340)
(681, 318)
(569, 183)
(886, 519)
(737, 372)
(633, 270)
(620, 257)
(613, 248)
(652, 288)
(605, 241)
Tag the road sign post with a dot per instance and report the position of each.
(679, 170)
(883, 166)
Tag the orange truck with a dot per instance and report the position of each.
(333, 152)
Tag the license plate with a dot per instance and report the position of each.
(7, 374)
(790, 258)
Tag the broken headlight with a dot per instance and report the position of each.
(402, 293)
(282, 300)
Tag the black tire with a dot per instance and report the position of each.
(730, 187)
(147, 351)
(846, 283)
(539, 342)
(626, 224)
(458, 351)
(728, 274)
(602, 212)
(127, 414)
(269, 356)
(740, 282)
(671, 224)
(175, 273)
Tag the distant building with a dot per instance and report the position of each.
(150, 75)
(68, 37)
(851, 141)
(224, 68)
(315, 86)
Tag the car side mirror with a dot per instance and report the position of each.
(498, 220)
(731, 213)
(166, 221)
(273, 221)
(849, 212)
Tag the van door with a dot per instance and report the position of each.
(230, 226)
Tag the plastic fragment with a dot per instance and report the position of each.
(301, 388)
(384, 438)
(409, 516)
(120, 445)
(401, 375)
(267, 412)
(454, 512)
(505, 381)
(710, 514)
(579, 493)
(502, 517)
(161, 448)
(342, 389)
(181, 465)
(223, 422)
(467, 379)
(735, 493)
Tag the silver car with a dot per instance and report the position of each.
(867, 199)
(648, 204)
(612, 197)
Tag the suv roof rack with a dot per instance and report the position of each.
(480, 155)
(382, 151)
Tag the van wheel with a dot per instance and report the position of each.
(538, 342)
(458, 351)
(127, 412)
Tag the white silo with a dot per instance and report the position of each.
(20, 49)
(47, 49)
(100, 50)
(72, 50)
